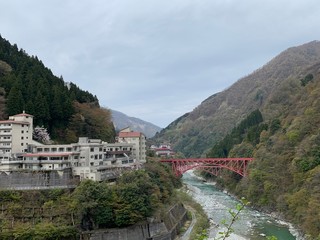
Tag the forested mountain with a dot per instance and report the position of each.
(195, 132)
(67, 111)
(272, 115)
(121, 121)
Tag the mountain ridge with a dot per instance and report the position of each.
(195, 132)
(121, 120)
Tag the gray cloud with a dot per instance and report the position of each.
(157, 60)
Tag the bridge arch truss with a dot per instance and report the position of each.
(211, 165)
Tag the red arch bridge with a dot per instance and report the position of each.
(211, 165)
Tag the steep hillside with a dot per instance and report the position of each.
(285, 143)
(67, 111)
(121, 121)
(195, 132)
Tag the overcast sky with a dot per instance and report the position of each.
(157, 60)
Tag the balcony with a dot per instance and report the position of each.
(5, 140)
(5, 127)
(36, 161)
(5, 133)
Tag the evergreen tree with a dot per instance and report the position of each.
(42, 110)
(15, 102)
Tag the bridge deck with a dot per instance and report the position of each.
(212, 165)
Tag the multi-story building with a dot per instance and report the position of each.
(163, 150)
(16, 133)
(138, 139)
(87, 159)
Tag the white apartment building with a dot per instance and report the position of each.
(16, 133)
(87, 159)
(138, 139)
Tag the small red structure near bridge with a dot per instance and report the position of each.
(211, 165)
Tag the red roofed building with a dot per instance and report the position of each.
(138, 140)
(164, 151)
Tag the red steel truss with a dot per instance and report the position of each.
(211, 165)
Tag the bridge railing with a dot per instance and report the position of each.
(237, 165)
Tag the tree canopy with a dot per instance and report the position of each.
(56, 105)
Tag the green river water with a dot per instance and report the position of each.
(252, 225)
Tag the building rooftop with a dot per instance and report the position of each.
(23, 114)
(14, 122)
(129, 134)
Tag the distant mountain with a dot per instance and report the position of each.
(121, 120)
(197, 131)
(272, 115)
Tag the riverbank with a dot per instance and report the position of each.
(251, 225)
(199, 224)
(294, 230)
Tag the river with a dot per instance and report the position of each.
(251, 225)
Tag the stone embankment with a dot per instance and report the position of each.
(166, 229)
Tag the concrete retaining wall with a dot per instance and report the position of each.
(167, 229)
(24, 180)
(21, 180)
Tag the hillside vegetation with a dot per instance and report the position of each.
(62, 214)
(196, 132)
(272, 115)
(285, 176)
(67, 111)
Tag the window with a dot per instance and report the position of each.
(21, 144)
(22, 131)
(92, 149)
(21, 138)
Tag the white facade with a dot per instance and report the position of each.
(16, 133)
(138, 139)
(88, 158)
